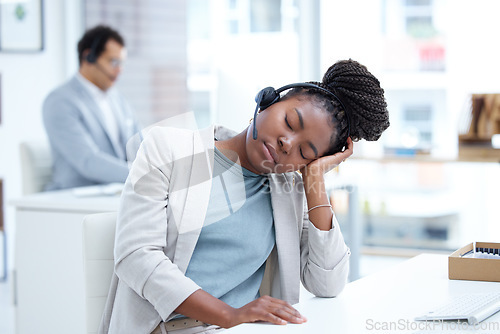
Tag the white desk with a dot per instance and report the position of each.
(49, 283)
(396, 295)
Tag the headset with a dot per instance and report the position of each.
(92, 57)
(268, 96)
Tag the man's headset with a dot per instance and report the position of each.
(92, 57)
(268, 96)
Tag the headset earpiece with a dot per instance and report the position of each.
(91, 58)
(266, 97)
(92, 55)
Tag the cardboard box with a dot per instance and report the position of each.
(471, 152)
(473, 269)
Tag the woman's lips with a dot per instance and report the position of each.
(271, 153)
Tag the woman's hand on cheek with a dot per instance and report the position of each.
(324, 164)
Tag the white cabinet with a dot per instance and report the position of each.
(49, 285)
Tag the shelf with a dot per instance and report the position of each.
(399, 252)
(427, 158)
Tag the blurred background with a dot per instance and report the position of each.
(410, 192)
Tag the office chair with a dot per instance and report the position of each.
(98, 264)
(36, 165)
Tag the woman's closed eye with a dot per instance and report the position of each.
(287, 123)
(300, 149)
(302, 155)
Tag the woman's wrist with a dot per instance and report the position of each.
(314, 183)
(319, 210)
(230, 317)
(202, 306)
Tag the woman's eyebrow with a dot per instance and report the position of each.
(301, 120)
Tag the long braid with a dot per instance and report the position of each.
(361, 94)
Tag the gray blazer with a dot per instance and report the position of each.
(162, 211)
(82, 151)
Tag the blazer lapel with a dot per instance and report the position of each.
(94, 110)
(287, 237)
(88, 101)
(197, 196)
(124, 124)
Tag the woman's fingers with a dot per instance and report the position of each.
(272, 310)
(350, 144)
(348, 151)
(287, 312)
(341, 156)
(290, 315)
(326, 163)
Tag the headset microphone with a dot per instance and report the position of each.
(100, 68)
(258, 99)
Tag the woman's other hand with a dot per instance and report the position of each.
(324, 164)
(267, 309)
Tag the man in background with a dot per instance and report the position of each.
(87, 121)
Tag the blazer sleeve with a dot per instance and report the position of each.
(68, 136)
(141, 236)
(324, 258)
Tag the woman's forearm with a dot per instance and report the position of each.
(314, 187)
(204, 307)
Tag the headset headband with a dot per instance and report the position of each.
(92, 55)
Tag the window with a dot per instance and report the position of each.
(417, 120)
(419, 19)
(429, 62)
(260, 16)
(245, 46)
(154, 76)
(265, 15)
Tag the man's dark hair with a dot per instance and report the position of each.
(95, 39)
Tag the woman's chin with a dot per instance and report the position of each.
(266, 167)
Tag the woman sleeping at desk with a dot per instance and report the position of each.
(217, 228)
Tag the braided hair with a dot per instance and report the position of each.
(366, 115)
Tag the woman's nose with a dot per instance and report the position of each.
(285, 144)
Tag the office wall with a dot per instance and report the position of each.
(26, 79)
(154, 77)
